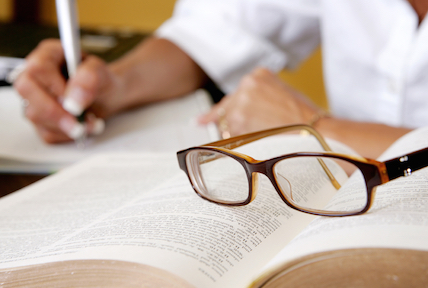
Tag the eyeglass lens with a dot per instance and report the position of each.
(321, 184)
(218, 177)
(314, 184)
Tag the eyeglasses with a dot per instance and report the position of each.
(306, 181)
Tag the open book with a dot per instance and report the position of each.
(164, 126)
(132, 220)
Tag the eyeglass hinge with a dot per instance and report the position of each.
(404, 159)
(408, 171)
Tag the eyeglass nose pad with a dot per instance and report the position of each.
(197, 179)
(285, 187)
(255, 186)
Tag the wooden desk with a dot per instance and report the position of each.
(12, 182)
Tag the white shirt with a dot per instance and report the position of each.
(375, 57)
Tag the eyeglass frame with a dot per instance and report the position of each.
(375, 172)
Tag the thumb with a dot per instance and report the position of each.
(84, 87)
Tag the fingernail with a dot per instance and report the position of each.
(99, 126)
(72, 128)
(73, 100)
(71, 106)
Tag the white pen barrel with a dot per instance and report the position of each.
(69, 33)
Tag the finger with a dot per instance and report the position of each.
(214, 114)
(47, 114)
(263, 73)
(44, 65)
(82, 90)
(208, 117)
(94, 125)
(41, 105)
(52, 136)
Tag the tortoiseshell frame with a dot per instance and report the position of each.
(375, 172)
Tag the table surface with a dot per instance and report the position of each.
(12, 182)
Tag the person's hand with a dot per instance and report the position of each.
(52, 104)
(261, 101)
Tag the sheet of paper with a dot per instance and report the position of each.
(165, 126)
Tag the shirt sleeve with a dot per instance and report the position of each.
(229, 38)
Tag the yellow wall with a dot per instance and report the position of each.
(5, 10)
(146, 15)
(308, 79)
(136, 14)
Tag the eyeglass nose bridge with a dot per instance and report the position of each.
(253, 170)
(264, 168)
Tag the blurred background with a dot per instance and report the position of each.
(24, 21)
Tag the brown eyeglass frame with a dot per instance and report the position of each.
(374, 172)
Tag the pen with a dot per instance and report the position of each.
(70, 40)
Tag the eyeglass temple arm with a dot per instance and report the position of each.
(329, 174)
(405, 165)
(238, 141)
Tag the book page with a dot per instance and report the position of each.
(164, 126)
(71, 199)
(91, 273)
(398, 218)
(110, 208)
